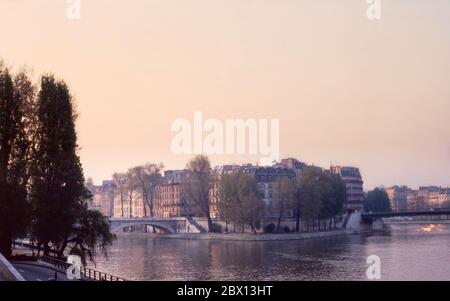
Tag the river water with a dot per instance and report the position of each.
(408, 252)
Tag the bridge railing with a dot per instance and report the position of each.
(86, 272)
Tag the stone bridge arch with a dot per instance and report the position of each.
(117, 226)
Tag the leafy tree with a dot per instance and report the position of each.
(310, 194)
(17, 95)
(284, 189)
(228, 195)
(249, 205)
(318, 194)
(377, 200)
(239, 200)
(89, 234)
(334, 195)
(59, 196)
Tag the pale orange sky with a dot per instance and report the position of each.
(373, 94)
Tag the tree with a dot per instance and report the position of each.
(334, 195)
(131, 188)
(318, 194)
(59, 196)
(91, 232)
(120, 180)
(249, 205)
(310, 194)
(17, 96)
(196, 185)
(147, 178)
(377, 200)
(228, 195)
(239, 200)
(284, 190)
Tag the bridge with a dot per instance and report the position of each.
(374, 220)
(371, 216)
(166, 225)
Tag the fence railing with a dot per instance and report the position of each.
(84, 271)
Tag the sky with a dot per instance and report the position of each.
(346, 90)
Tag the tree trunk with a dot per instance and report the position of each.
(46, 249)
(61, 250)
(121, 202)
(279, 221)
(210, 224)
(131, 206)
(297, 222)
(5, 244)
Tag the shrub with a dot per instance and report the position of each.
(269, 228)
(216, 228)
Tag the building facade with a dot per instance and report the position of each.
(102, 197)
(354, 185)
(398, 197)
(428, 197)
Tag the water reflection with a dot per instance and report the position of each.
(406, 253)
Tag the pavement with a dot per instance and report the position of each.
(32, 271)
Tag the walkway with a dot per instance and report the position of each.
(33, 271)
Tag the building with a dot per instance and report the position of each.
(293, 164)
(171, 198)
(428, 197)
(267, 179)
(216, 175)
(354, 184)
(129, 205)
(102, 197)
(398, 197)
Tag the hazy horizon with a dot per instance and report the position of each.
(347, 90)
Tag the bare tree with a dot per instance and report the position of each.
(147, 178)
(131, 190)
(196, 185)
(120, 180)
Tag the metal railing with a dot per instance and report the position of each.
(86, 272)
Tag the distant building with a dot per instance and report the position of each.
(267, 177)
(354, 184)
(102, 197)
(172, 200)
(398, 196)
(428, 197)
(291, 163)
(131, 206)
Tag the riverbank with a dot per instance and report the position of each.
(259, 237)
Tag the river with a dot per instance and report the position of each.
(408, 252)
